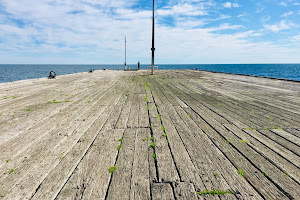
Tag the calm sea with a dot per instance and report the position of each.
(10, 73)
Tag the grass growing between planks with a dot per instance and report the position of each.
(112, 169)
(214, 192)
(119, 147)
(152, 145)
(154, 156)
(243, 141)
(54, 101)
(241, 173)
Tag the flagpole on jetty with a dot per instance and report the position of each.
(153, 49)
(125, 54)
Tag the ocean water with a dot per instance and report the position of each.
(10, 73)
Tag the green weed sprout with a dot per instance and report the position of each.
(213, 192)
(154, 156)
(119, 147)
(243, 141)
(152, 145)
(241, 173)
(112, 169)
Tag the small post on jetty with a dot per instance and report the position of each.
(125, 65)
(153, 49)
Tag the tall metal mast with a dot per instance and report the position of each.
(153, 49)
(125, 53)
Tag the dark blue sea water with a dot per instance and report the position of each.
(10, 73)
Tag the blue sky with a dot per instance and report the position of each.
(187, 31)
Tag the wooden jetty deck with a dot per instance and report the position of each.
(128, 135)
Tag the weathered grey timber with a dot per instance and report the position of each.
(178, 134)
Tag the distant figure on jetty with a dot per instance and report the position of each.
(91, 71)
(52, 74)
(138, 65)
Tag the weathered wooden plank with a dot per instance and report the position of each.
(100, 177)
(291, 146)
(222, 168)
(268, 153)
(56, 153)
(162, 191)
(153, 115)
(293, 131)
(68, 113)
(184, 164)
(165, 164)
(293, 158)
(34, 158)
(143, 112)
(217, 107)
(283, 181)
(288, 136)
(119, 187)
(53, 183)
(133, 121)
(123, 118)
(184, 190)
(92, 172)
(148, 94)
(260, 182)
(53, 146)
(140, 183)
(68, 133)
(68, 147)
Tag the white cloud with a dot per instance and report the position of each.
(185, 9)
(279, 27)
(296, 4)
(286, 14)
(230, 5)
(283, 4)
(205, 47)
(296, 38)
(225, 26)
(265, 19)
(244, 14)
(92, 31)
(260, 8)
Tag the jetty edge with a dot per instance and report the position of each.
(178, 134)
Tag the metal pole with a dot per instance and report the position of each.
(125, 53)
(153, 49)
